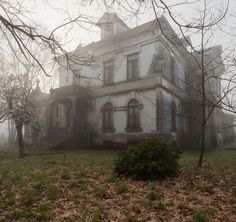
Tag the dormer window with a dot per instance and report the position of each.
(108, 69)
(110, 25)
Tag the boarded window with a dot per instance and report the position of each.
(133, 114)
(108, 72)
(132, 66)
(108, 116)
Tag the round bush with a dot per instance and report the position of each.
(150, 159)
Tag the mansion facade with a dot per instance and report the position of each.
(136, 84)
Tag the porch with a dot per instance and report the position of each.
(68, 110)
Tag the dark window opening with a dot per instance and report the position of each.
(172, 69)
(108, 72)
(133, 114)
(173, 117)
(159, 112)
(132, 66)
(108, 116)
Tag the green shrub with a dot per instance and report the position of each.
(150, 159)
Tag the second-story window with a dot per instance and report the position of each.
(132, 66)
(172, 69)
(173, 116)
(108, 72)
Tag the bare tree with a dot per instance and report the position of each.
(19, 31)
(207, 61)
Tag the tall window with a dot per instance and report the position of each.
(172, 69)
(159, 112)
(180, 111)
(108, 72)
(173, 116)
(133, 114)
(132, 66)
(108, 116)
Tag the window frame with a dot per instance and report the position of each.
(173, 69)
(110, 76)
(159, 112)
(133, 116)
(173, 116)
(130, 74)
(108, 110)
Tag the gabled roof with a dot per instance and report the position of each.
(143, 29)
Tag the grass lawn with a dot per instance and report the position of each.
(80, 186)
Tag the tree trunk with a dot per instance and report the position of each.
(20, 141)
(200, 160)
(203, 74)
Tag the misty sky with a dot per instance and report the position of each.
(52, 13)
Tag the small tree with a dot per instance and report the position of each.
(15, 104)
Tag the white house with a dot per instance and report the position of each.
(138, 82)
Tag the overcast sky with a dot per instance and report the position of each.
(52, 13)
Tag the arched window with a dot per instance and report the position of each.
(108, 116)
(133, 121)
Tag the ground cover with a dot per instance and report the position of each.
(80, 186)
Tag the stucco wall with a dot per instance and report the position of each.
(148, 46)
(148, 115)
(118, 53)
